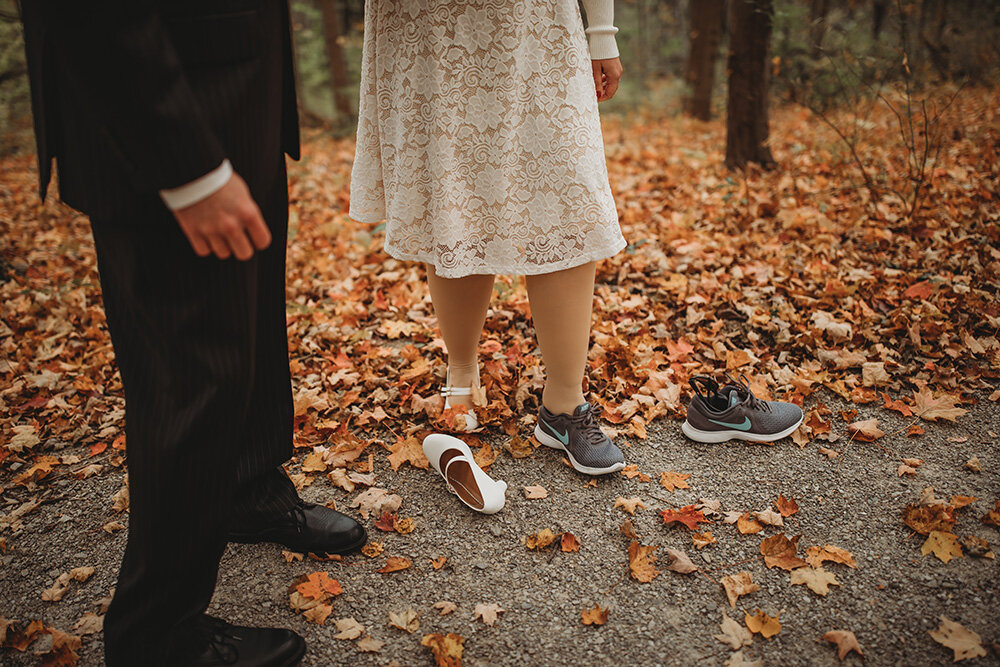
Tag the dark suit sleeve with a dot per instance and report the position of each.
(129, 78)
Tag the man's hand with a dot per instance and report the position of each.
(227, 222)
(607, 73)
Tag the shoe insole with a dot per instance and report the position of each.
(462, 478)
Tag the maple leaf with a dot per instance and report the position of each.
(535, 492)
(747, 524)
(866, 430)
(403, 525)
(372, 549)
(829, 453)
(845, 641)
(88, 624)
(348, 628)
(993, 516)
(977, 547)
(762, 624)
(540, 540)
(641, 562)
(485, 456)
(439, 563)
(679, 561)
(817, 579)
(899, 406)
(628, 529)
(906, 470)
(408, 450)
(738, 585)
(931, 409)
(376, 500)
(786, 506)
(672, 480)
(387, 522)
(927, 518)
(314, 461)
(702, 540)
(369, 644)
(487, 612)
(394, 564)
(973, 464)
(688, 515)
(816, 556)
(407, 621)
(733, 634)
(943, 545)
(779, 551)
(709, 507)
(569, 543)
(630, 505)
(737, 660)
(958, 502)
(965, 643)
(769, 517)
(518, 447)
(595, 616)
(445, 607)
(339, 478)
(447, 649)
(319, 586)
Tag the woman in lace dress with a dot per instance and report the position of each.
(479, 144)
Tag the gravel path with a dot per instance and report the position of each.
(853, 501)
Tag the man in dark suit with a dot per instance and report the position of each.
(169, 121)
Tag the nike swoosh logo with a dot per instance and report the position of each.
(745, 426)
(563, 437)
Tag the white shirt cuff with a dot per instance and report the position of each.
(198, 189)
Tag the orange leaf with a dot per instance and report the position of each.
(641, 562)
(672, 480)
(786, 506)
(595, 616)
(319, 586)
(779, 551)
(447, 649)
(688, 515)
(394, 564)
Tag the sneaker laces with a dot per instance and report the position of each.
(588, 427)
(742, 385)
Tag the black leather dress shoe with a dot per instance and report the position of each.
(306, 528)
(213, 642)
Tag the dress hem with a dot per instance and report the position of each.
(539, 269)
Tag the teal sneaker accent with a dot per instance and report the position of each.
(745, 426)
(563, 437)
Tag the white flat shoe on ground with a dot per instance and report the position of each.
(453, 460)
(471, 421)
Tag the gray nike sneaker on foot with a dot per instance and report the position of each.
(589, 450)
(733, 412)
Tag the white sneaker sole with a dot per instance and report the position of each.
(723, 436)
(549, 441)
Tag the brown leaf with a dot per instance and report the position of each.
(733, 634)
(762, 624)
(535, 492)
(439, 563)
(973, 464)
(407, 621)
(866, 430)
(817, 579)
(540, 540)
(487, 612)
(569, 543)
(318, 586)
(829, 453)
(845, 641)
(748, 525)
(769, 517)
(816, 556)
(966, 644)
(931, 409)
(628, 529)
(786, 506)
(738, 585)
(447, 649)
(595, 616)
(927, 518)
(519, 448)
(369, 644)
(672, 480)
(702, 540)
(445, 607)
(958, 502)
(348, 628)
(408, 450)
(89, 624)
(779, 551)
(395, 564)
(679, 561)
(630, 505)
(372, 549)
(641, 562)
(993, 516)
(943, 545)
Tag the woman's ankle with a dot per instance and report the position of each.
(559, 403)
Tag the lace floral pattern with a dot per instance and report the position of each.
(479, 141)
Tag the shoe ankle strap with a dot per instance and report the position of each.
(456, 391)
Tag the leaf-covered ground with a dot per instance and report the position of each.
(884, 327)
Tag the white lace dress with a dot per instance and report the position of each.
(479, 141)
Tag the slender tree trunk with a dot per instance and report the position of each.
(817, 26)
(879, 10)
(749, 46)
(706, 18)
(338, 64)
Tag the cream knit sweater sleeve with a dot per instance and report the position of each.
(600, 28)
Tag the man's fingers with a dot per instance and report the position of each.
(258, 231)
(611, 89)
(219, 246)
(240, 245)
(198, 243)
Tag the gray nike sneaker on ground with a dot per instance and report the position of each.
(589, 450)
(733, 412)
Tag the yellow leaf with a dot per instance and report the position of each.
(943, 545)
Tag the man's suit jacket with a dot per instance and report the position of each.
(135, 96)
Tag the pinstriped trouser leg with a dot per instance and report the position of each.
(201, 347)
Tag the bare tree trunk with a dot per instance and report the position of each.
(817, 26)
(749, 45)
(706, 18)
(879, 10)
(338, 64)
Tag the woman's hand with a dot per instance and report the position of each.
(607, 73)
